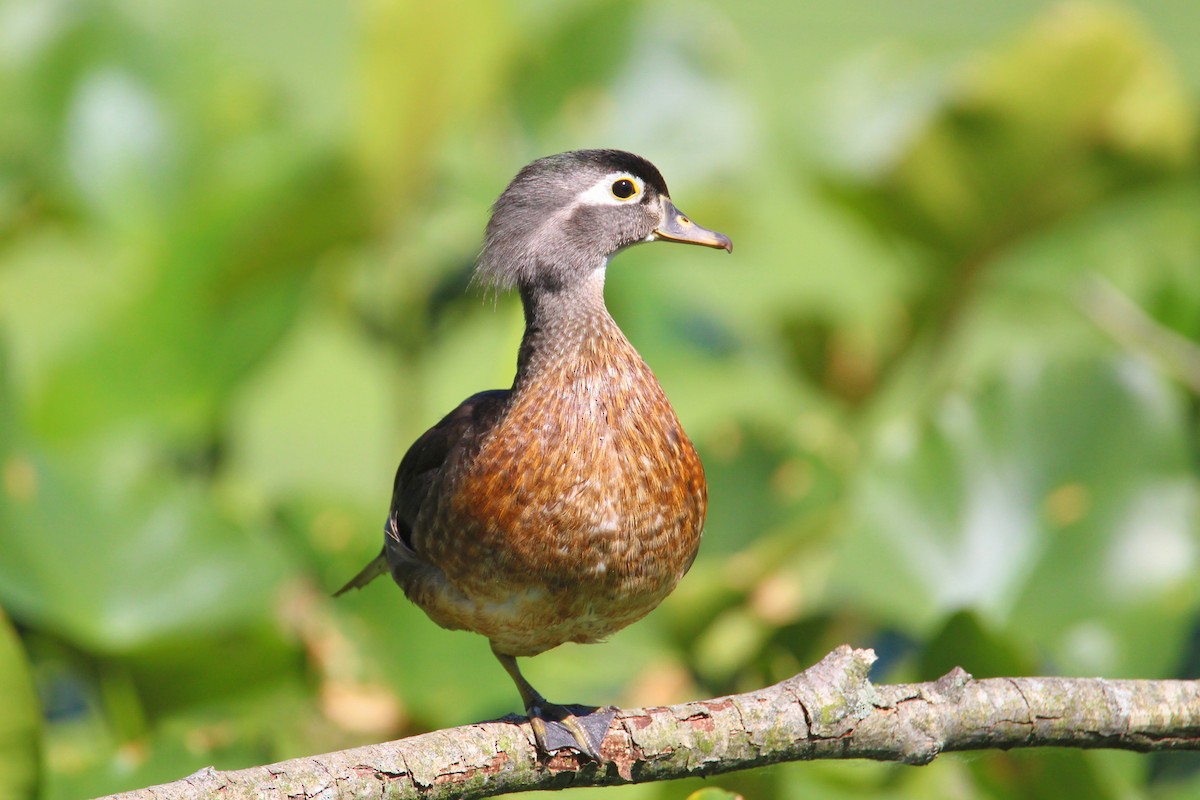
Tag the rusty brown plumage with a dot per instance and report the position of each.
(567, 507)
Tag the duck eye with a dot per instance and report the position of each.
(624, 189)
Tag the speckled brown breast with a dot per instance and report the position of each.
(578, 512)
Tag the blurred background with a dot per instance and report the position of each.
(945, 388)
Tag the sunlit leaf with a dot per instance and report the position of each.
(20, 725)
(1036, 509)
(1080, 104)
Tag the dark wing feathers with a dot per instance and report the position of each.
(422, 467)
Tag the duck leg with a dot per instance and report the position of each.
(557, 726)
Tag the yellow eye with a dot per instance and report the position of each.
(624, 189)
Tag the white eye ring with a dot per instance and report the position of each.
(603, 192)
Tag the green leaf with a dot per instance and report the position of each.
(714, 793)
(223, 289)
(1056, 499)
(20, 724)
(1080, 104)
(965, 641)
(1045, 776)
(114, 575)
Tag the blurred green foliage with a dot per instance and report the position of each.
(946, 388)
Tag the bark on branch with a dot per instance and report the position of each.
(829, 711)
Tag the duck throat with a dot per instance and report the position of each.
(567, 325)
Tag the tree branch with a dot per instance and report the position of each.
(829, 711)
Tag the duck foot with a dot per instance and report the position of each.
(580, 728)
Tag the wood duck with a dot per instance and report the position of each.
(567, 507)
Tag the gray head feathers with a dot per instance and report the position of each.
(562, 217)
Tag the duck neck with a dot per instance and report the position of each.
(564, 325)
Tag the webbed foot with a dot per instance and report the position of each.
(558, 727)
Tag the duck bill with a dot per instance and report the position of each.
(676, 227)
